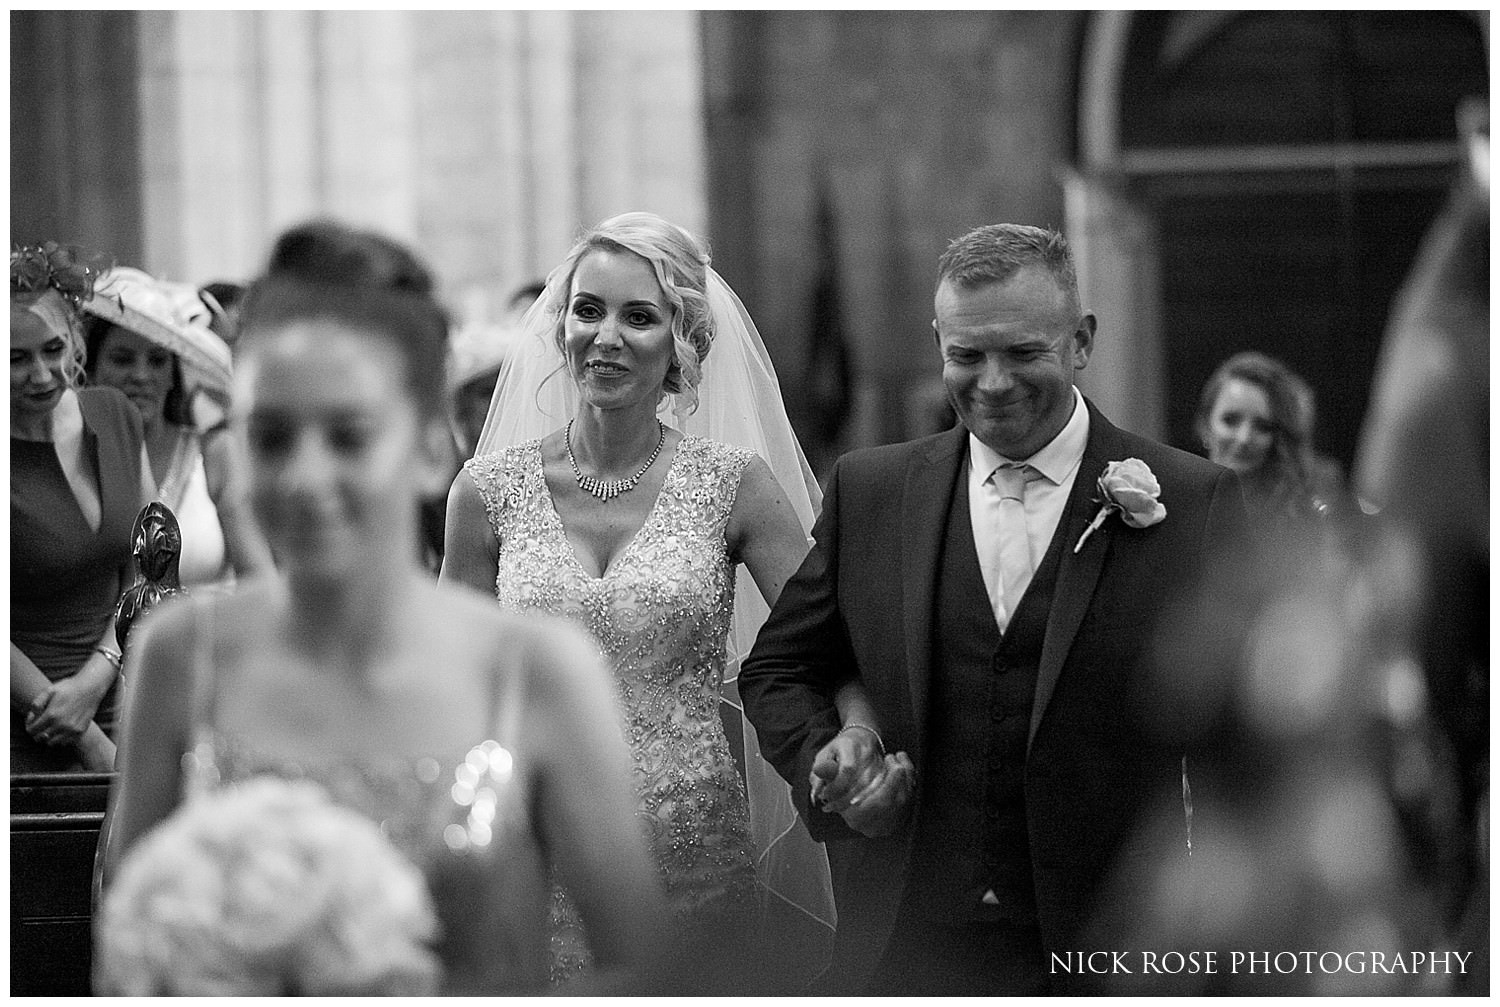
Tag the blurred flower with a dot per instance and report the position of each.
(266, 888)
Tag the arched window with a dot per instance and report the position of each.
(1288, 163)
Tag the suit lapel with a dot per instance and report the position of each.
(931, 478)
(1078, 573)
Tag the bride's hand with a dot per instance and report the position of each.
(845, 766)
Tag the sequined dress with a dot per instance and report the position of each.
(464, 817)
(660, 614)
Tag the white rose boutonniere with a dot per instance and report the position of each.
(1131, 488)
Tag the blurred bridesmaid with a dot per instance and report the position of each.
(483, 743)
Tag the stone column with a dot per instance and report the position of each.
(1115, 248)
(1115, 245)
(485, 138)
(73, 131)
(253, 120)
(537, 124)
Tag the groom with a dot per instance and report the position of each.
(1001, 635)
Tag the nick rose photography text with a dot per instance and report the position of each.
(1259, 962)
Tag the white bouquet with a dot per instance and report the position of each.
(266, 888)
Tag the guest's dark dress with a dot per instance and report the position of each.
(65, 577)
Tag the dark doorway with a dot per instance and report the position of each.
(1292, 161)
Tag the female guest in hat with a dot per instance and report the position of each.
(151, 340)
(78, 477)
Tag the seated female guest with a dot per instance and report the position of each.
(583, 502)
(1255, 417)
(151, 340)
(77, 480)
(482, 742)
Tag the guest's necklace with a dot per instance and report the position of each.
(608, 489)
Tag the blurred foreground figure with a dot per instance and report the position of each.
(1424, 462)
(1323, 812)
(1339, 807)
(484, 744)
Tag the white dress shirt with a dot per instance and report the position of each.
(1045, 498)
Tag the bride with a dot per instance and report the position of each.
(623, 476)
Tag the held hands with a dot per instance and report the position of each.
(854, 778)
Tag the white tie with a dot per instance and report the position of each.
(1009, 481)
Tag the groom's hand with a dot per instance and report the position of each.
(880, 808)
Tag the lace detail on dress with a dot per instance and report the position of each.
(660, 615)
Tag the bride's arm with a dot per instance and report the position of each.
(765, 535)
(588, 809)
(470, 549)
(763, 531)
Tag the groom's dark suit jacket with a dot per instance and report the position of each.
(863, 603)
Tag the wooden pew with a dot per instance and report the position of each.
(55, 820)
(56, 817)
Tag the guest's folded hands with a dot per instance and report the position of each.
(60, 714)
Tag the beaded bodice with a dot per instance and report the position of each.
(660, 614)
(429, 808)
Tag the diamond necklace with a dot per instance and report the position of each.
(607, 489)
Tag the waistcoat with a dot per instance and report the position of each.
(971, 833)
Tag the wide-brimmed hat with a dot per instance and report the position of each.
(172, 315)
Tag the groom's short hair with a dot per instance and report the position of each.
(994, 252)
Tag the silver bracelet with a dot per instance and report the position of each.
(866, 727)
(112, 656)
